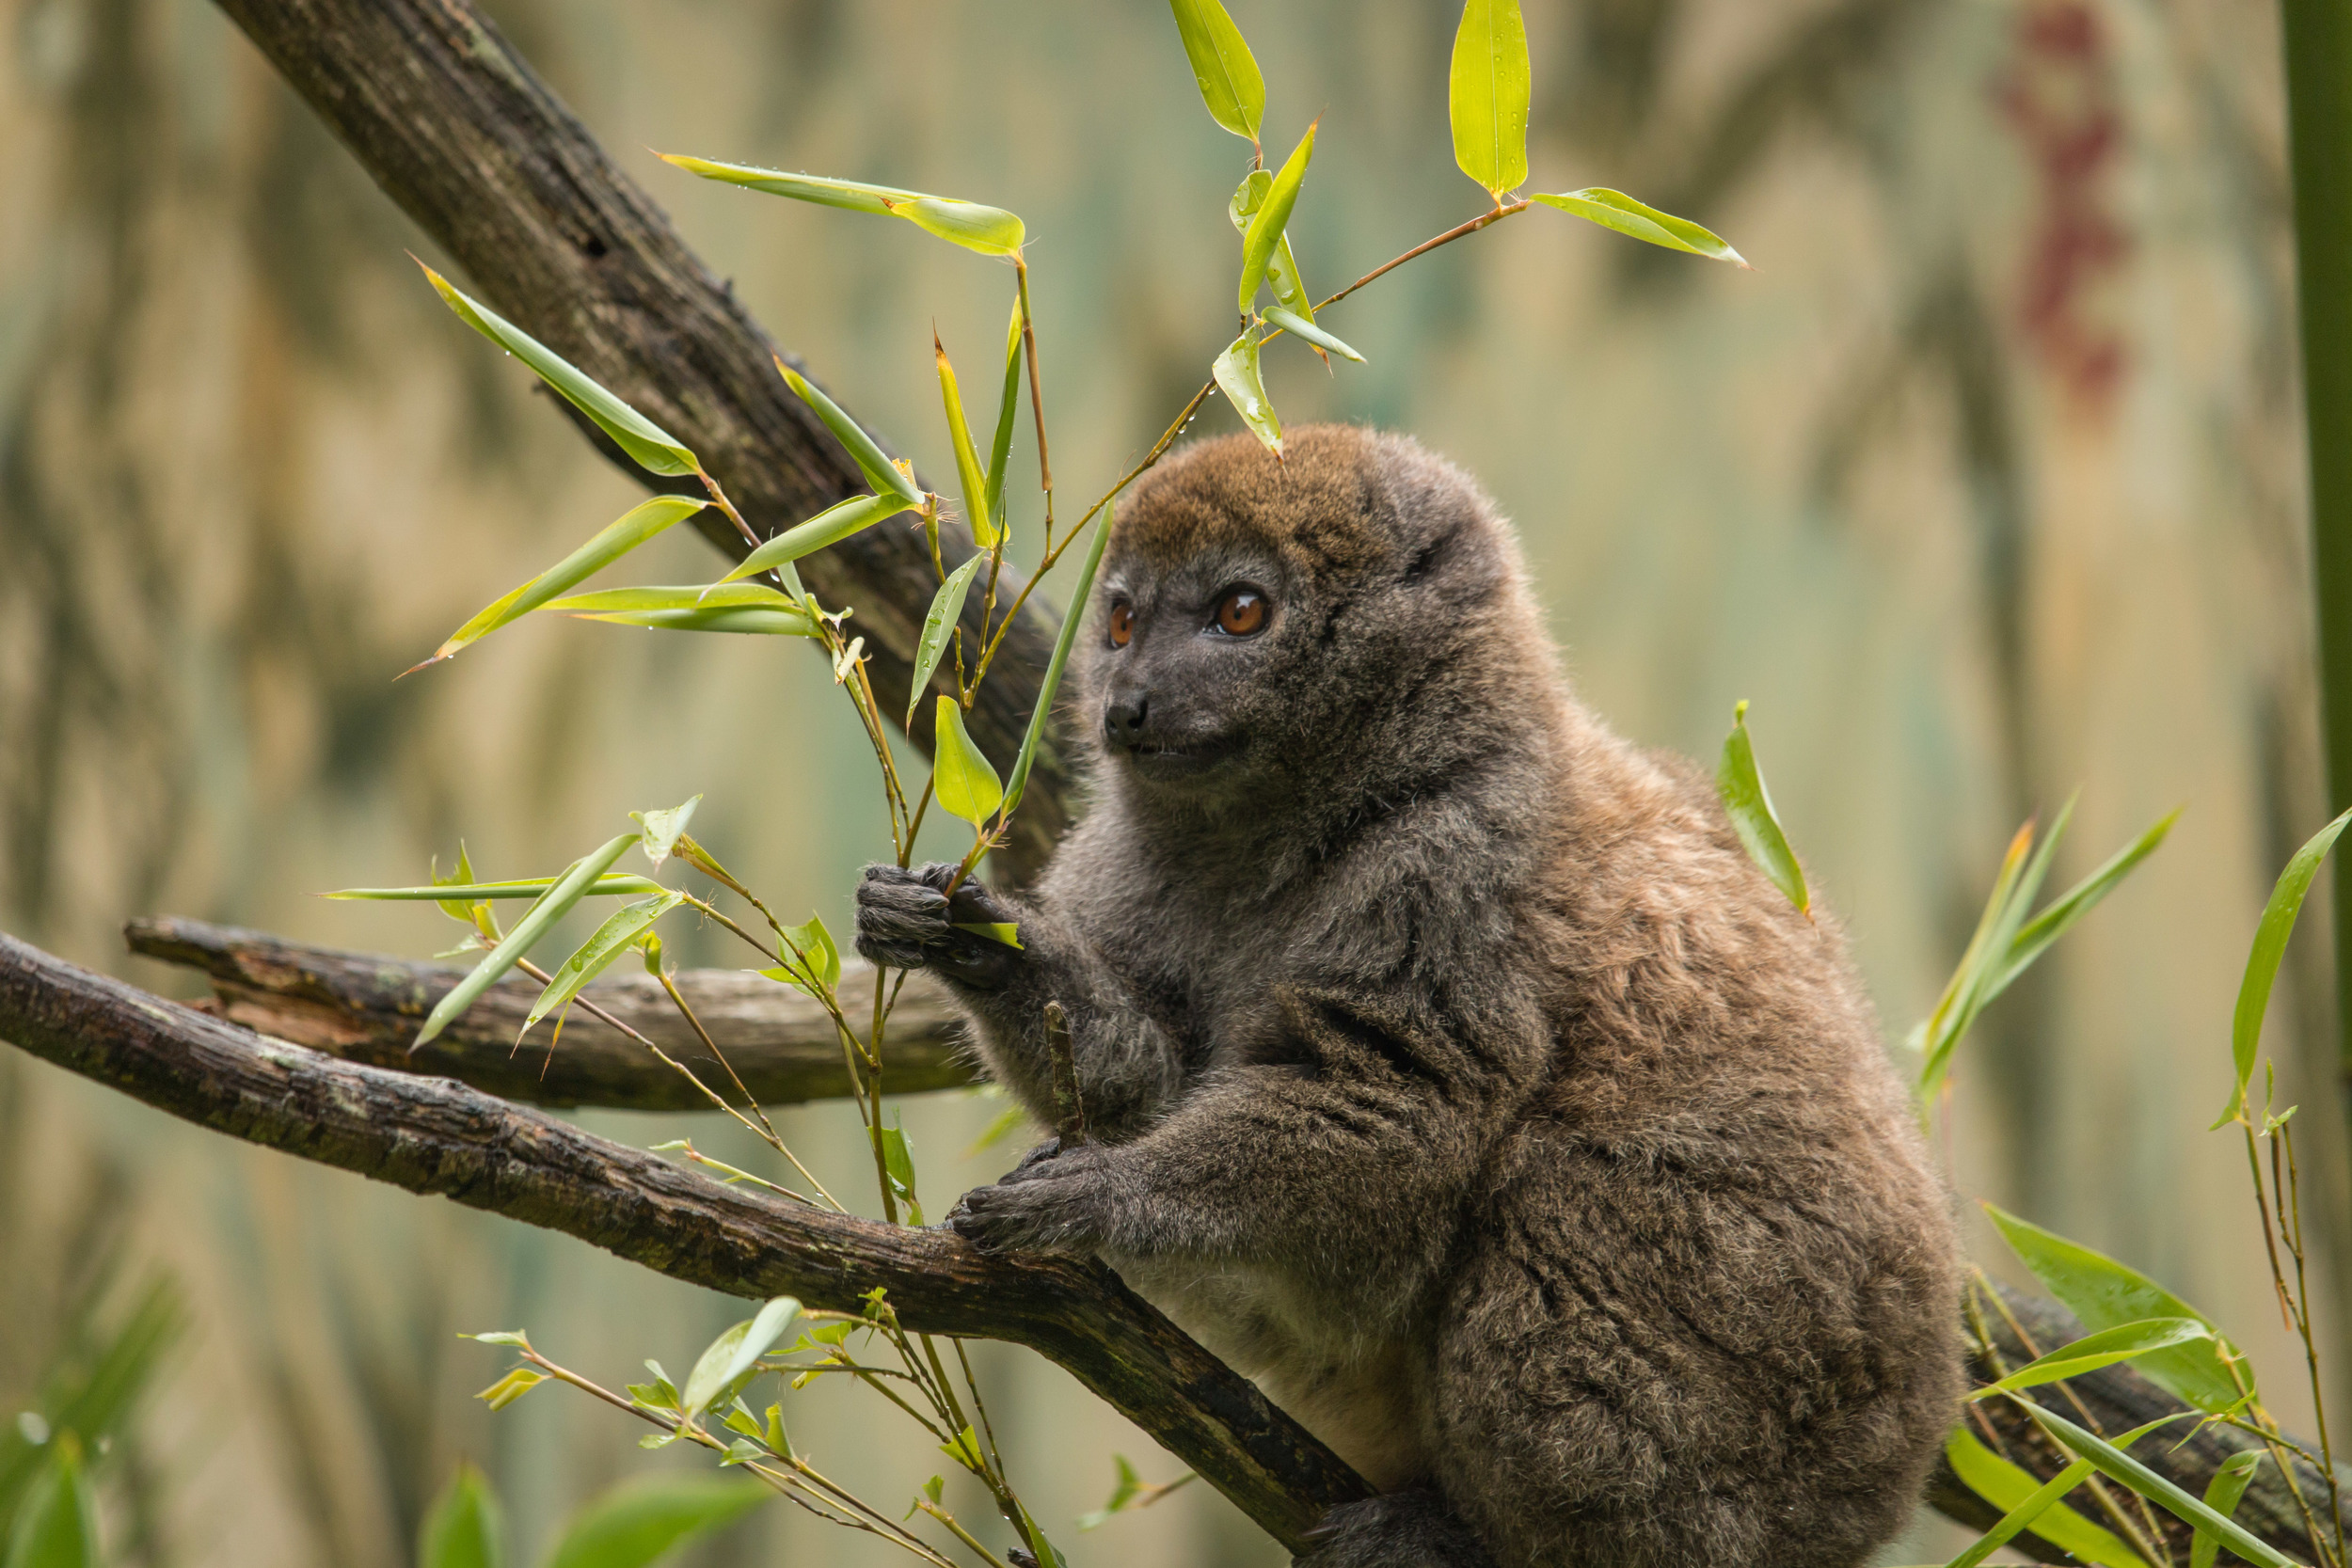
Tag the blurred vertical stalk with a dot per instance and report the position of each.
(2317, 37)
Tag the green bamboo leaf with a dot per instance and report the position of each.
(2121, 1467)
(1247, 197)
(459, 909)
(2222, 1493)
(939, 626)
(462, 1530)
(2270, 946)
(963, 778)
(1615, 210)
(751, 620)
(1000, 447)
(1488, 93)
(1042, 712)
(2107, 1294)
(1005, 931)
(647, 444)
(1123, 1491)
(968, 470)
(898, 1165)
(2008, 1487)
(2040, 1501)
(617, 882)
(2023, 868)
(1049, 1554)
(886, 477)
(1237, 373)
(57, 1521)
(618, 933)
(1222, 65)
(661, 829)
(551, 907)
(1273, 216)
(616, 539)
(1291, 322)
(1282, 268)
(691, 595)
(513, 1385)
(733, 1358)
(1749, 804)
(829, 526)
(2123, 1343)
(812, 955)
(2053, 923)
(639, 1522)
(990, 230)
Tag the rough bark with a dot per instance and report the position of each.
(367, 1007)
(457, 129)
(434, 1135)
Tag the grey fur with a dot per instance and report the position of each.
(1456, 1074)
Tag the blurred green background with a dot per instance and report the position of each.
(1985, 486)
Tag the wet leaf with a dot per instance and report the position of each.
(2270, 946)
(462, 1530)
(886, 477)
(2123, 1343)
(1282, 268)
(688, 595)
(750, 620)
(990, 230)
(964, 780)
(647, 444)
(1222, 65)
(551, 907)
(1615, 210)
(1488, 93)
(968, 470)
(1273, 216)
(733, 1358)
(939, 628)
(1062, 641)
(829, 526)
(638, 1523)
(1298, 325)
(966, 1450)
(1749, 804)
(618, 933)
(634, 528)
(661, 829)
(1237, 373)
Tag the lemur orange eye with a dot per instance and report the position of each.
(1123, 624)
(1241, 612)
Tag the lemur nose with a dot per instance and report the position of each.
(1122, 718)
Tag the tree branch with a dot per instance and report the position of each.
(457, 129)
(367, 1007)
(432, 1136)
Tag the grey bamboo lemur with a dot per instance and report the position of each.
(1455, 1074)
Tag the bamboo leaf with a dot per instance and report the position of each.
(513, 1385)
(2107, 1294)
(2054, 922)
(748, 619)
(551, 907)
(619, 931)
(2123, 1343)
(899, 1166)
(939, 626)
(57, 1519)
(2007, 1488)
(1042, 712)
(1615, 210)
(1487, 94)
(2040, 1501)
(611, 883)
(647, 444)
(616, 539)
(1291, 322)
(810, 948)
(964, 780)
(886, 477)
(1247, 197)
(969, 473)
(990, 230)
(733, 1358)
(691, 595)
(1222, 65)
(2020, 878)
(637, 1524)
(1005, 931)
(1237, 373)
(2222, 1493)
(829, 526)
(2270, 946)
(1273, 216)
(1749, 804)
(2121, 1467)
(1000, 447)
(462, 1530)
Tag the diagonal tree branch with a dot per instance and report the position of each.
(432, 1136)
(457, 129)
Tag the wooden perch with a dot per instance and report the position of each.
(366, 1008)
(457, 129)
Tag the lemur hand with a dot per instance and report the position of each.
(905, 920)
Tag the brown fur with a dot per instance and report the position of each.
(1457, 1075)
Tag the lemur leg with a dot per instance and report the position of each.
(1412, 1529)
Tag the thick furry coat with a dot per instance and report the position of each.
(1453, 1072)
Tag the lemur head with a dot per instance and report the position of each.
(1348, 619)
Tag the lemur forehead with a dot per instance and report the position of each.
(1322, 510)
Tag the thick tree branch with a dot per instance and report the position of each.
(432, 1136)
(457, 129)
(367, 1007)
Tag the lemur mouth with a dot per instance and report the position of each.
(1177, 759)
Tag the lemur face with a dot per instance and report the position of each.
(1181, 666)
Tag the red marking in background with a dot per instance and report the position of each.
(2057, 93)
